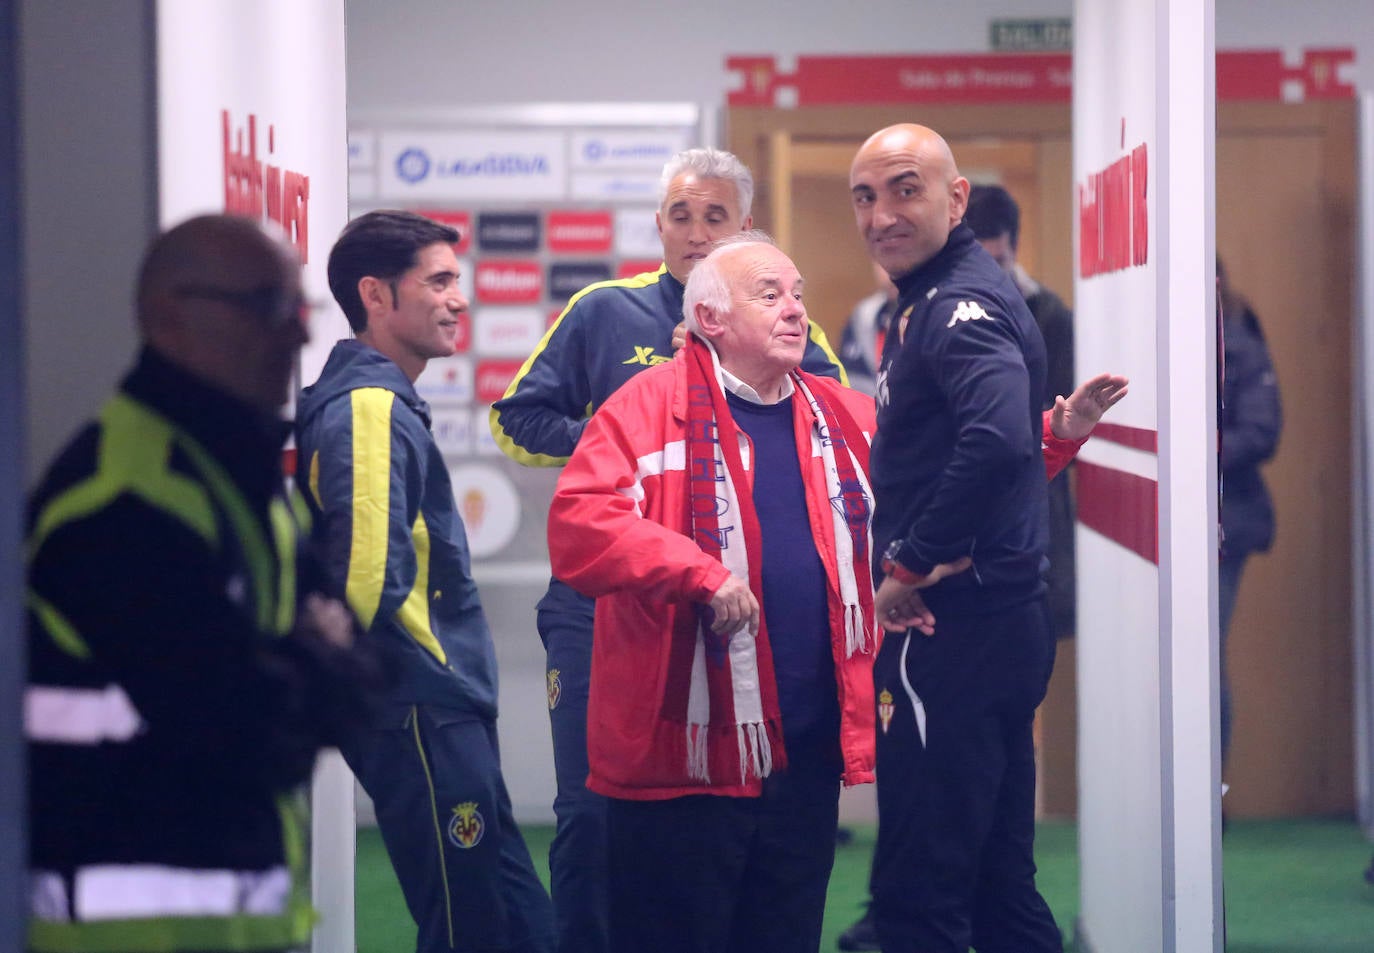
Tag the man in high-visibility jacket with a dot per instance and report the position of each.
(184, 664)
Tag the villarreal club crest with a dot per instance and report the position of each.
(466, 827)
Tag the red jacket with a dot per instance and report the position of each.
(618, 531)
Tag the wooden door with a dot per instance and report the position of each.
(1285, 229)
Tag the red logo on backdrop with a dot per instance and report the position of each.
(509, 282)
(459, 220)
(493, 377)
(628, 269)
(260, 190)
(462, 338)
(580, 231)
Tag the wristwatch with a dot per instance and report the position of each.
(899, 568)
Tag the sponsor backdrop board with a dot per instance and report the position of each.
(547, 201)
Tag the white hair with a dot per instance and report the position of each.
(707, 283)
(710, 163)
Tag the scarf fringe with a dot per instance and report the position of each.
(755, 751)
(857, 636)
(698, 767)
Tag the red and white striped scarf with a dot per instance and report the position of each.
(733, 722)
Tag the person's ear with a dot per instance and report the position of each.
(709, 322)
(958, 199)
(375, 295)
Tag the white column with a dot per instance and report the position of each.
(1190, 757)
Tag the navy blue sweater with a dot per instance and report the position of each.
(794, 590)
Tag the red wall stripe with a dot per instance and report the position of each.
(1135, 437)
(1121, 506)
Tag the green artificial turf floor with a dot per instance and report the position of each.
(1292, 886)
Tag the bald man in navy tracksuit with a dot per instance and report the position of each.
(961, 523)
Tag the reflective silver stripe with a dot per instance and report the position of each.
(126, 891)
(48, 896)
(79, 716)
(917, 706)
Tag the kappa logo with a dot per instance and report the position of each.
(466, 827)
(554, 686)
(646, 357)
(885, 708)
(968, 311)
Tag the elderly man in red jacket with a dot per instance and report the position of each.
(718, 508)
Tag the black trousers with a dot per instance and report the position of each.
(577, 856)
(708, 874)
(954, 862)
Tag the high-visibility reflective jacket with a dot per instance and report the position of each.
(168, 718)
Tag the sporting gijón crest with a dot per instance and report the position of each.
(554, 685)
(885, 708)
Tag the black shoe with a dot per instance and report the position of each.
(860, 935)
(1368, 876)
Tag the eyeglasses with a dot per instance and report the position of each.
(269, 304)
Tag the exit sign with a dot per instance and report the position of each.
(1049, 33)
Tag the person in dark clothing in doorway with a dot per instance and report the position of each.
(1251, 420)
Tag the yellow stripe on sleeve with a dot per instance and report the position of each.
(414, 614)
(504, 441)
(371, 500)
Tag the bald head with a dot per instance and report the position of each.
(207, 251)
(907, 195)
(220, 296)
(908, 138)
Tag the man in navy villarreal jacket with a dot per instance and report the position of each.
(959, 482)
(380, 489)
(610, 332)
